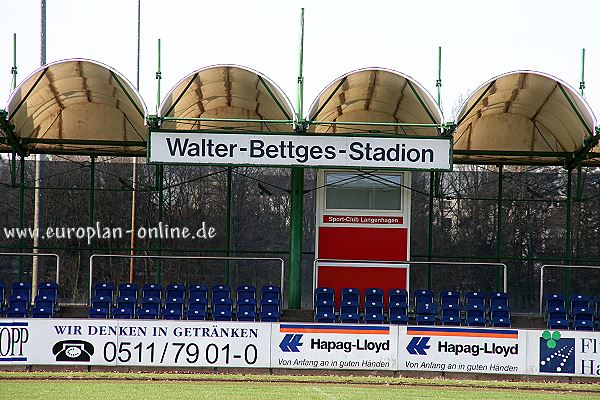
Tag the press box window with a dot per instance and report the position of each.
(363, 191)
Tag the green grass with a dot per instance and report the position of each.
(131, 386)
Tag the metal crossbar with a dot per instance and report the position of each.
(280, 260)
(57, 279)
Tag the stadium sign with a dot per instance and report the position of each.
(457, 349)
(431, 153)
(334, 346)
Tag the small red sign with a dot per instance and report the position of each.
(362, 219)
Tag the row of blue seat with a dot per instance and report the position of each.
(18, 302)
(582, 313)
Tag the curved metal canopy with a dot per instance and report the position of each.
(523, 117)
(216, 97)
(376, 96)
(77, 106)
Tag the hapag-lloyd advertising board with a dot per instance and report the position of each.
(430, 153)
(334, 346)
(458, 349)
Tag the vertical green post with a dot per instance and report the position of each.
(228, 222)
(297, 196)
(499, 284)
(13, 70)
(21, 216)
(430, 230)
(568, 236)
(438, 82)
(91, 205)
(582, 82)
(159, 184)
(158, 78)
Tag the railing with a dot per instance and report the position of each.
(181, 258)
(557, 266)
(57, 279)
(400, 264)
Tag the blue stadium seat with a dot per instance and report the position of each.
(223, 315)
(174, 304)
(128, 290)
(148, 313)
(245, 292)
(269, 316)
(122, 313)
(196, 291)
(374, 312)
(271, 292)
(128, 303)
(425, 319)
(579, 301)
(16, 312)
(557, 313)
(152, 290)
(451, 310)
(498, 299)
(41, 312)
(349, 318)
(397, 295)
(475, 311)
(102, 302)
(152, 303)
(20, 301)
(325, 317)
(269, 306)
(449, 297)
(175, 290)
(44, 302)
(583, 314)
(423, 297)
(426, 309)
(350, 294)
(324, 306)
(399, 307)
(220, 292)
(323, 293)
(398, 319)
(22, 289)
(172, 314)
(373, 294)
(198, 303)
(583, 325)
(196, 312)
(246, 305)
(223, 310)
(374, 318)
(501, 322)
(500, 311)
(450, 320)
(474, 298)
(558, 323)
(246, 316)
(349, 307)
(476, 321)
(552, 300)
(98, 313)
(48, 289)
(105, 289)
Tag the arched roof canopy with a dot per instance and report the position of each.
(77, 106)
(523, 117)
(216, 97)
(376, 96)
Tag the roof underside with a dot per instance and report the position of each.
(523, 117)
(78, 107)
(375, 96)
(226, 92)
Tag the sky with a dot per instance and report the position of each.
(479, 39)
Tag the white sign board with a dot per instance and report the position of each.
(334, 346)
(566, 353)
(300, 150)
(134, 342)
(458, 349)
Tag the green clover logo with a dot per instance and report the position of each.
(551, 338)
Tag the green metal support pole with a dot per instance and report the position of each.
(568, 253)
(582, 82)
(13, 70)
(430, 230)
(158, 78)
(297, 198)
(438, 82)
(21, 217)
(159, 178)
(228, 222)
(499, 284)
(91, 204)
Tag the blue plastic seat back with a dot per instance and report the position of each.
(245, 292)
(175, 290)
(350, 294)
(128, 290)
(397, 295)
(373, 294)
(220, 292)
(426, 309)
(197, 290)
(323, 293)
(246, 305)
(450, 297)
(270, 292)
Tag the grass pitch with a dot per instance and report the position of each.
(116, 386)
